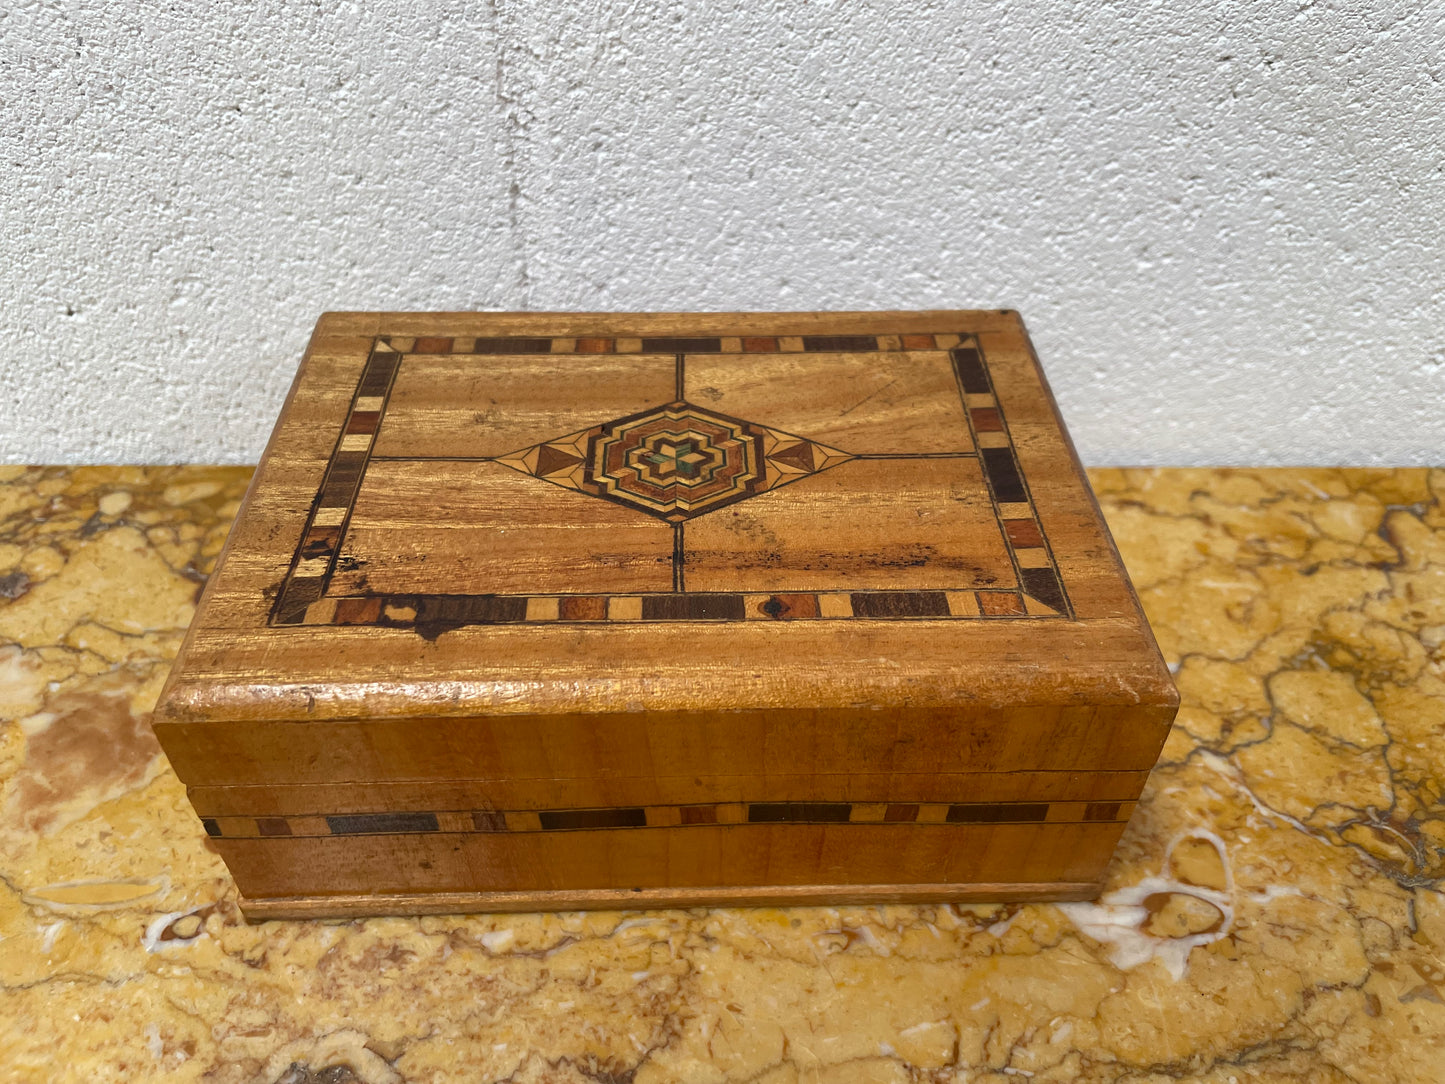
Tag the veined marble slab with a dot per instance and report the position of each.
(1274, 912)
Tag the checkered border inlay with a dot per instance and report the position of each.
(491, 821)
(302, 598)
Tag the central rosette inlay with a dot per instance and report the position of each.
(667, 458)
(676, 461)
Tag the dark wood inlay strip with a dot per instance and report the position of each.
(634, 817)
(693, 607)
(681, 346)
(354, 824)
(570, 820)
(1003, 476)
(972, 375)
(840, 342)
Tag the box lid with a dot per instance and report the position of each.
(493, 514)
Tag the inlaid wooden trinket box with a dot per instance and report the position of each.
(540, 611)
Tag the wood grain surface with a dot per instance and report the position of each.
(504, 568)
(694, 857)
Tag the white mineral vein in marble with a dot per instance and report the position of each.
(1118, 919)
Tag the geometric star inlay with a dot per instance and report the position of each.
(675, 461)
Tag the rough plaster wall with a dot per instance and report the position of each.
(1224, 223)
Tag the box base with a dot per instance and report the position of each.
(613, 899)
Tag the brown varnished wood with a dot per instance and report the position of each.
(480, 531)
(437, 399)
(684, 857)
(787, 540)
(785, 783)
(840, 743)
(442, 595)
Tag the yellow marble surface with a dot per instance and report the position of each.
(1274, 912)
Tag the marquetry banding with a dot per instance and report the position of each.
(676, 816)
(665, 344)
(306, 581)
(1039, 592)
(406, 611)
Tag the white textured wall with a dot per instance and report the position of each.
(1224, 223)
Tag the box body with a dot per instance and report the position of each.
(557, 610)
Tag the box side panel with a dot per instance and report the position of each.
(663, 745)
(697, 856)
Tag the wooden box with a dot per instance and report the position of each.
(530, 611)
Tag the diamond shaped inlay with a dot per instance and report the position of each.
(675, 461)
